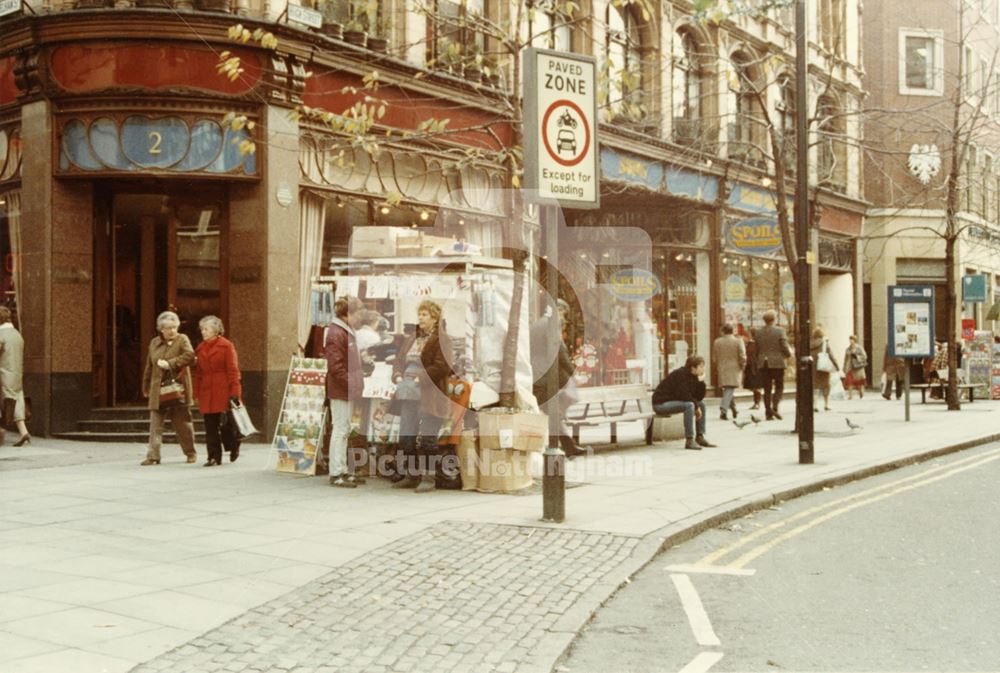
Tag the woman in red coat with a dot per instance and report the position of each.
(216, 383)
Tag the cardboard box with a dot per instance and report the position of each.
(424, 245)
(520, 431)
(503, 470)
(374, 241)
(468, 460)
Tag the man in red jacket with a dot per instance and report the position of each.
(344, 382)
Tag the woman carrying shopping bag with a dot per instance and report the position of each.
(855, 361)
(823, 366)
(217, 383)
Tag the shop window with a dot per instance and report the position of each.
(342, 216)
(676, 308)
(751, 286)
(786, 119)
(10, 231)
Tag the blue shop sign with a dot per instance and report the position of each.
(634, 284)
(974, 288)
(161, 144)
(755, 236)
(657, 176)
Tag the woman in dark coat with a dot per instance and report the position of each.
(170, 356)
(217, 385)
(421, 374)
(751, 378)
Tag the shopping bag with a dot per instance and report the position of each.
(824, 363)
(837, 391)
(241, 421)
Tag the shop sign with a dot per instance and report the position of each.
(634, 284)
(974, 288)
(692, 185)
(561, 157)
(304, 15)
(735, 289)
(757, 236)
(968, 329)
(632, 169)
(9, 7)
(154, 144)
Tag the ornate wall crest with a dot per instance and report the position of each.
(924, 162)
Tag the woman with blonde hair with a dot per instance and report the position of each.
(855, 361)
(217, 380)
(421, 373)
(168, 364)
(821, 377)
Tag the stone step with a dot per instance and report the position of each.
(130, 425)
(124, 437)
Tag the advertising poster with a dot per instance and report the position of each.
(995, 387)
(980, 355)
(299, 435)
(912, 329)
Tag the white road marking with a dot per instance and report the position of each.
(702, 662)
(704, 569)
(697, 617)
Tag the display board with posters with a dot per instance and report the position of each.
(979, 355)
(299, 434)
(995, 383)
(911, 321)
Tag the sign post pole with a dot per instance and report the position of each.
(561, 166)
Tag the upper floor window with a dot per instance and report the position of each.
(786, 120)
(623, 55)
(920, 62)
(457, 35)
(690, 86)
(746, 131)
(547, 27)
(831, 165)
(832, 18)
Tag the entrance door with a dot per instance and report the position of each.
(163, 253)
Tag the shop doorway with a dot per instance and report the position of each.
(159, 251)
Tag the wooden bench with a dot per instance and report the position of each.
(612, 405)
(943, 386)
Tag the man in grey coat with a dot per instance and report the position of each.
(772, 349)
(730, 357)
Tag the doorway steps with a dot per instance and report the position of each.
(126, 425)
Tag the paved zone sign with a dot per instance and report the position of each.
(561, 157)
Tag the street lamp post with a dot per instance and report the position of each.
(803, 277)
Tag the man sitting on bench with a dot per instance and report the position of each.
(684, 391)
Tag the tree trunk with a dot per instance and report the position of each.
(508, 368)
(951, 303)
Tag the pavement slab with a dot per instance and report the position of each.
(237, 568)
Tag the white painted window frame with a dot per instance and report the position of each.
(938, 72)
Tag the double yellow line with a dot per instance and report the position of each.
(835, 508)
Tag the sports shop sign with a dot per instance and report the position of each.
(561, 158)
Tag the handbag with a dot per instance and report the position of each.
(242, 424)
(172, 393)
(824, 362)
(10, 410)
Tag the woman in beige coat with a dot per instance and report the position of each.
(11, 374)
(170, 354)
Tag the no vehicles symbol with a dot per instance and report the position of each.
(565, 133)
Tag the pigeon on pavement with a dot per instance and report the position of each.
(741, 424)
(852, 426)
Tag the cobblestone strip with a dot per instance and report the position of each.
(455, 597)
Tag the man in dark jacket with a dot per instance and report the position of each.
(772, 349)
(684, 391)
(344, 382)
(542, 363)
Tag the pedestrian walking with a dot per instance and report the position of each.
(824, 366)
(855, 361)
(730, 356)
(542, 362)
(683, 391)
(12, 376)
(893, 369)
(344, 382)
(422, 371)
(217, 384)
(751, 375)
(166, 383)
(772, 349)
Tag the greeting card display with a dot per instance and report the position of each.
(299, 435)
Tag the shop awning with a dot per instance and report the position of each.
(994, 312)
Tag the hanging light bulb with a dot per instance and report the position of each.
(384, 210)
(679, 256)
(424, 215)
